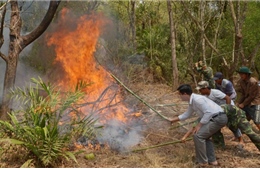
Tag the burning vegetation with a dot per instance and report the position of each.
(75, 41)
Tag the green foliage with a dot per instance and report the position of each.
(153, 33)
(41, 126)
(251, 31)
(155, 44)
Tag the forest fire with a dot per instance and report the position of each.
(75, 48)
(75, 42)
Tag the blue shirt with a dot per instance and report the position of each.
(227, 88)
(204, 107)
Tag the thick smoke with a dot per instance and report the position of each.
(121, 137)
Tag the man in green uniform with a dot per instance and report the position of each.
(207, 73)
(237, 120)
(220, 98)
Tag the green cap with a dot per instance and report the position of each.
(244, 69)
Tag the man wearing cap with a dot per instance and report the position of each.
(221, 99)
(225, 85)
(207, 73)
(211, 119)
(250, 94)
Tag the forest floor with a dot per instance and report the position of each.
(159, 131)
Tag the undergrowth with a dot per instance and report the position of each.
(46, 124)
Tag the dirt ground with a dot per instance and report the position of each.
(159, 131)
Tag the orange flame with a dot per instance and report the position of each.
(75, 43)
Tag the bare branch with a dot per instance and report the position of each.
(244, 12)
(3, 56)
(217, 29)
(204, 35)
(252, 55)
(2, 27)
(192, 17)
(27, 39)
(233, 13)
(4, 5)
(210, 44)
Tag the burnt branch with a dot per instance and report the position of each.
(99, 98)
(95, 105)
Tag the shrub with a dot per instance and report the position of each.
(44, 125)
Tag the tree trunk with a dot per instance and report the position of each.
(238, 22)
(16, 45)
(214, 43)
(173, 47)
(202, 30)
(9, 81)
(11, 60)
(132, 22)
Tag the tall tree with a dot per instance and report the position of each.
(132, 22)
(238, 16)
(17, 43)
(202, 29)
(173, 47)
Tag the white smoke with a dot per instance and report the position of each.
(119, 136)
